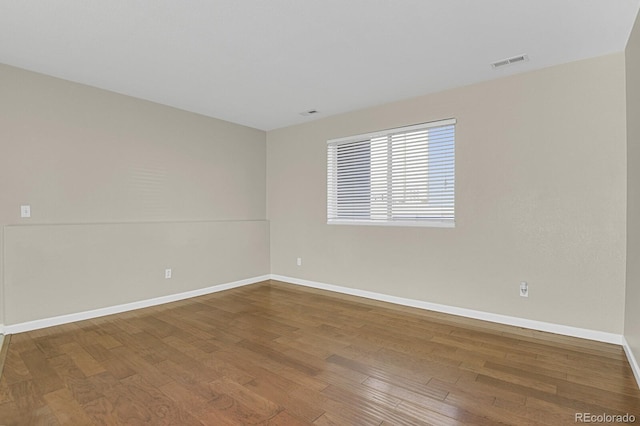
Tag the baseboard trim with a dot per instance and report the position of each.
(565, 330)
(95, 313)
(463, 312)
(633, 361)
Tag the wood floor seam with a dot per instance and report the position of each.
(277, 354)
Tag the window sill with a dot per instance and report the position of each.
(404, 223)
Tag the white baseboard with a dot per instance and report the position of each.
(565, 330)
(633, 361)
(463, 312)
(80, 316)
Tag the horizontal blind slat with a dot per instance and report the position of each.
(389, 176)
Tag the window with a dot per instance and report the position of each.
(403, 176)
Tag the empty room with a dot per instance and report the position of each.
(295, 212)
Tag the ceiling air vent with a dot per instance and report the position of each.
(510, 61)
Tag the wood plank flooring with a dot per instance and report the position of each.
(277, 354)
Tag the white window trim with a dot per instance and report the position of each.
(433, 223)
(428, 223)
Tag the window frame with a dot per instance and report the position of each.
(389, 221)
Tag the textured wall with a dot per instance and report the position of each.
(54, 270)
(632, 309)
(89, 160)
(540, 197)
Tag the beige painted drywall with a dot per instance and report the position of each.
(632, 310)
(105, 265)
(541, 183)
(540, 197)
(82, 156)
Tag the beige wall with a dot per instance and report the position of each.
(632, 310)
(95, 160)
(121, 188)
(54, 270)
(540, 197)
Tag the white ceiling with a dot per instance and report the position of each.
(262, 62)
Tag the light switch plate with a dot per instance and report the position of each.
(25, 211)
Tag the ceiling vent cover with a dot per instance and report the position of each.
(510, 61)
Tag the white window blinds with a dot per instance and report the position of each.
(403, 176)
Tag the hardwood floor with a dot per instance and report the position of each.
(277, 354)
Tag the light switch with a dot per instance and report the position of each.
(25, 211)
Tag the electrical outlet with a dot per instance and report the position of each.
(524, 289)
(299, 261)
(167, 273)
(25, 211)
